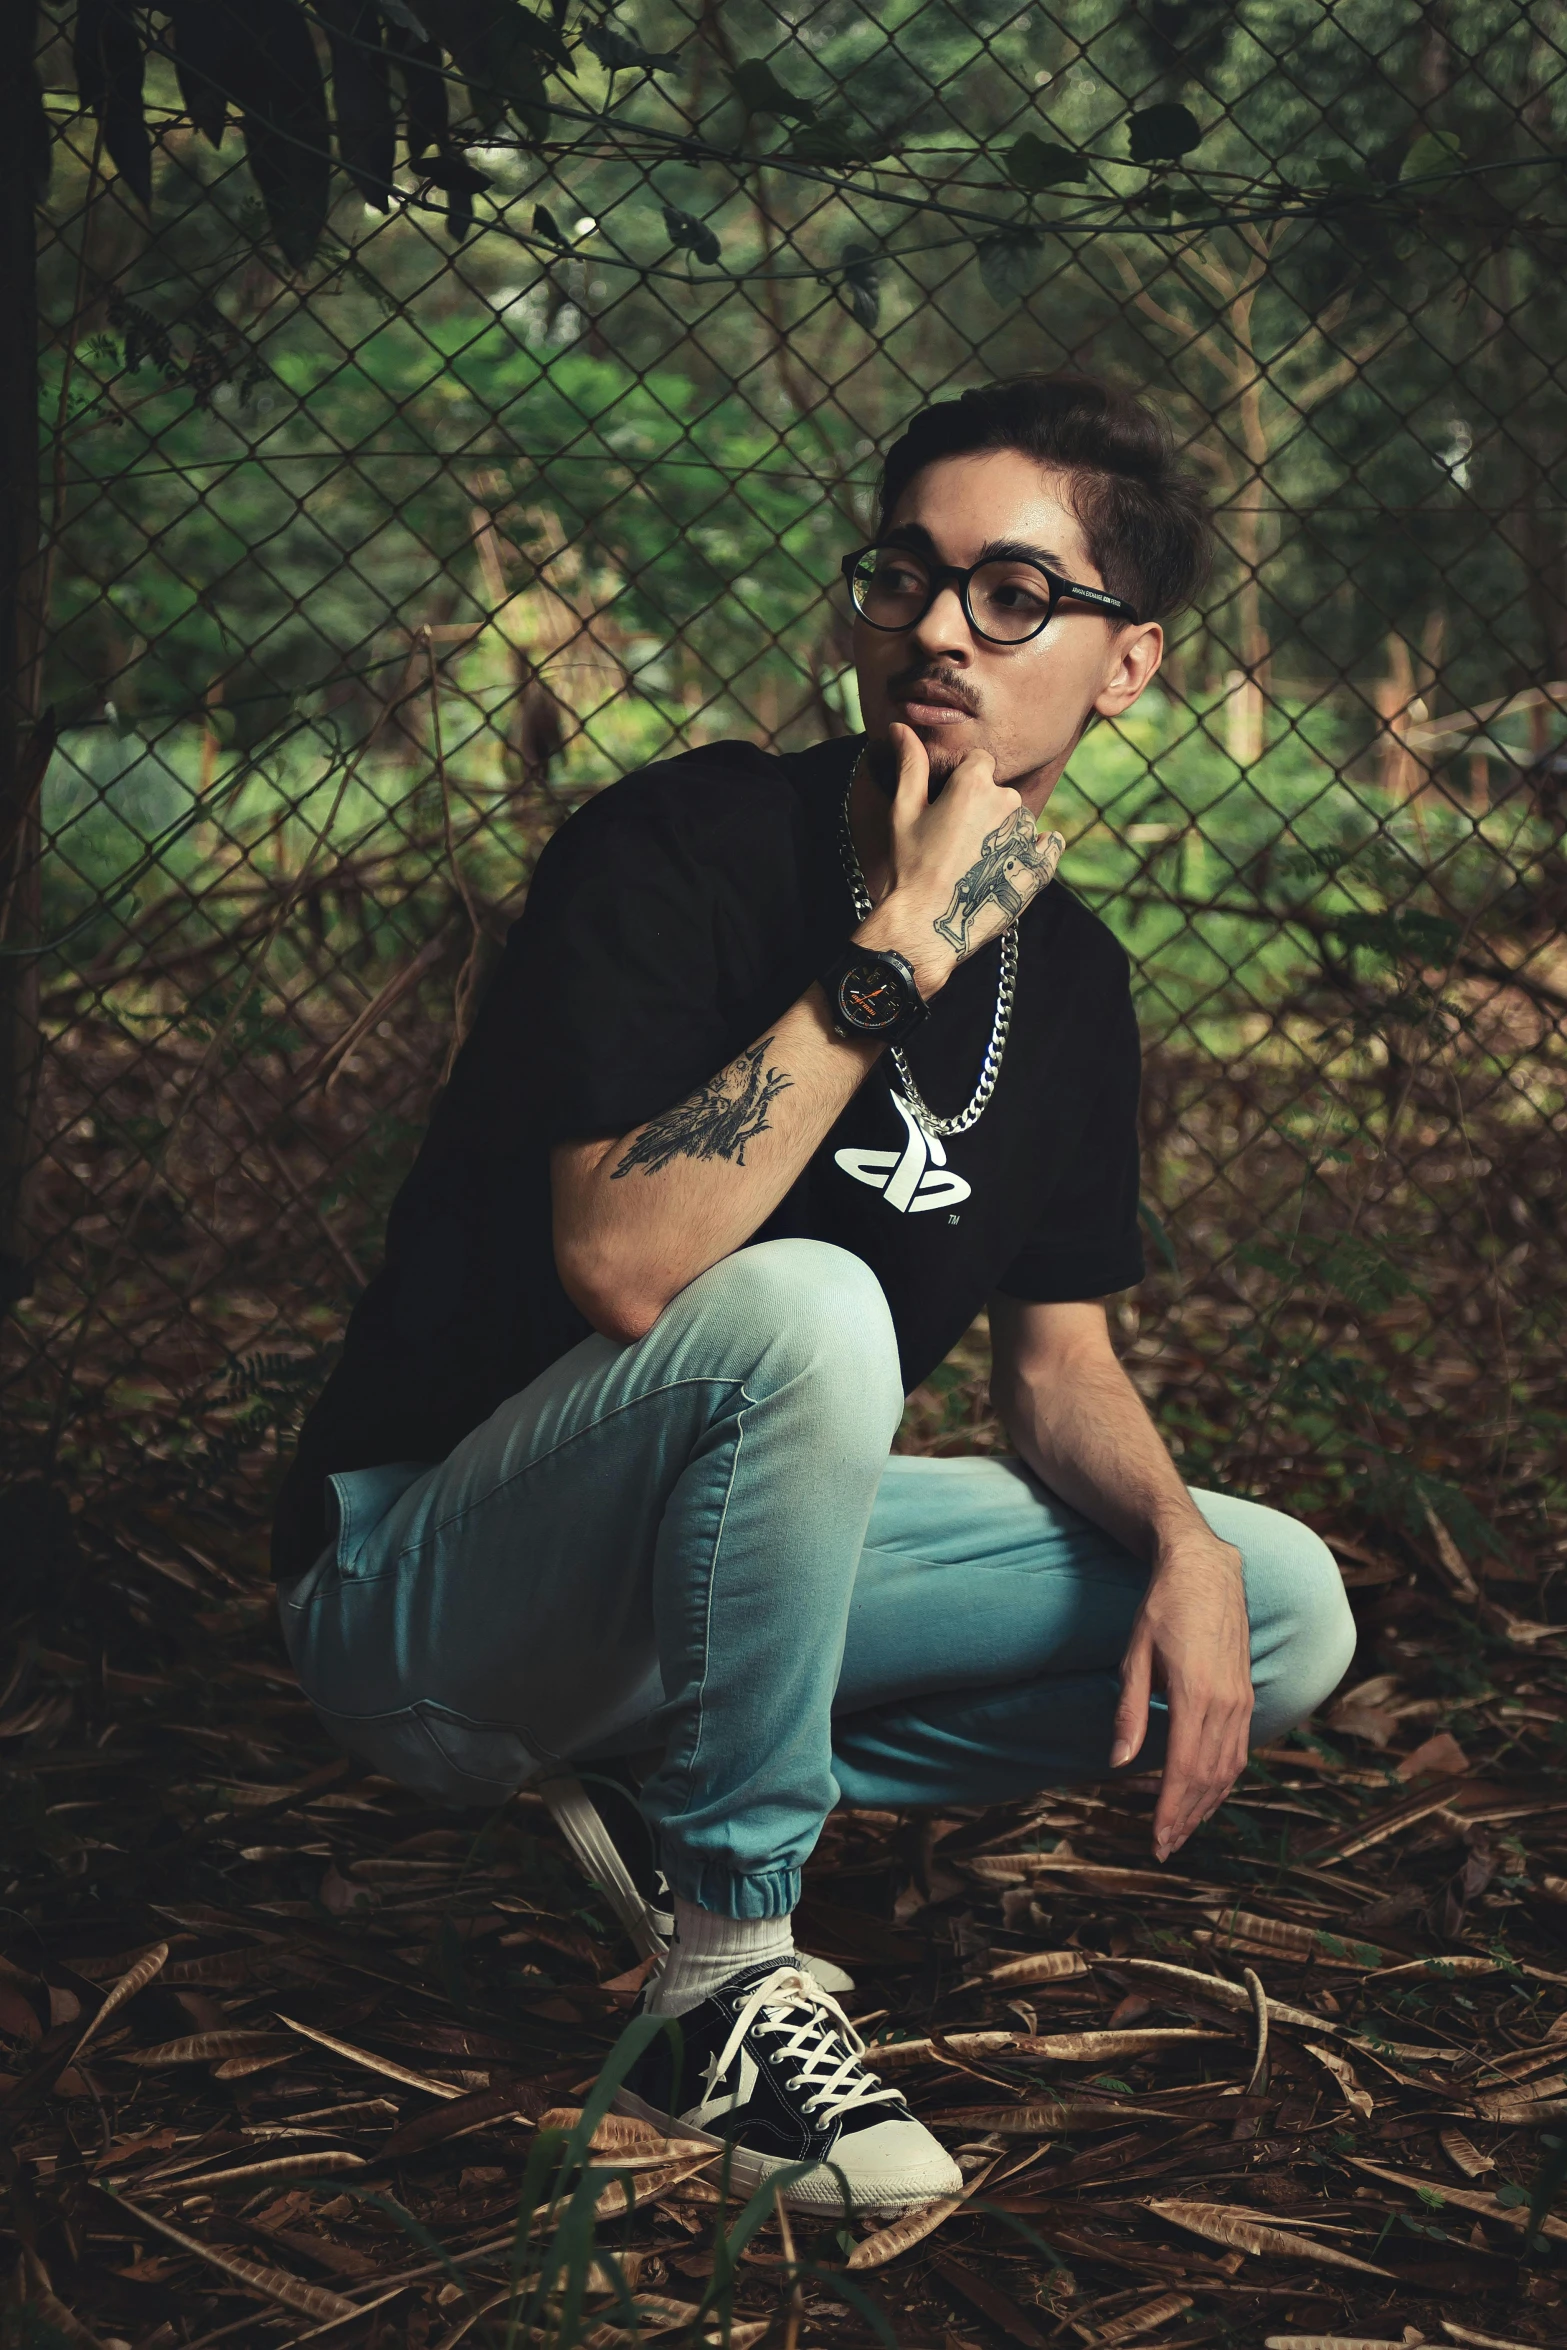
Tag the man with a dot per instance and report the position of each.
(792, 1065)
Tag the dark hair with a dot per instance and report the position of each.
(1144, 517)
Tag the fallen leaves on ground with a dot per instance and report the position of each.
(278, 2040)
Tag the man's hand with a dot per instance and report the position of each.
(964, 865)
(1192, 1639)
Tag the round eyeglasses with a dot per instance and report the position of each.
(1006, 599)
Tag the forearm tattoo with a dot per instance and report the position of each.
(1002, 875)
(718, 1120)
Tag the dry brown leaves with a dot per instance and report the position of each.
(272, 2030)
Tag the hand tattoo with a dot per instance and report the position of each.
(716, 1123)
(1013, 865)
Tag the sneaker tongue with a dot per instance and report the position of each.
(748, 1977)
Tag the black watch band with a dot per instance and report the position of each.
(872, 992)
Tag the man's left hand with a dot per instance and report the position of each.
(1190, 1638)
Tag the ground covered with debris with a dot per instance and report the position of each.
(289, 2057)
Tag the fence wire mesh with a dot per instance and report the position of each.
(447, 409)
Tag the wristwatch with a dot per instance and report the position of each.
(872, 992)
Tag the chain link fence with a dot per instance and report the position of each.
(445, 409)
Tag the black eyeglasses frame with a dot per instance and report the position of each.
(956, 575)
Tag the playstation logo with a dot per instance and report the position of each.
(910, 1180)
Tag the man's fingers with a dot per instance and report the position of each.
(1204, 1759)
(1050, 849)
(1131, 1714)
(913, 792)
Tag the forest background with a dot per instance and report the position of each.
(390, 510)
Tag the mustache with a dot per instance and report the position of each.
(905, 684)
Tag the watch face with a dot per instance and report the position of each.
(870, 997)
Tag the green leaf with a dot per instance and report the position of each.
(1149, 1220)
(274, 82)
(109, 76)
(1363, 1276)
(861, 286)
(1032, 163)
(1398, 1492)
(691, 235)
(547, 226)
(1511, 2197)
(620, 52)
(1548, 2184)
(1343, 171)
(502, 52)
(1269, 1260)
(1156, 133)
(1407, 936)
(1009, 264)
(1432, 152)
(761, 92)
(837, 142)
(361, 97)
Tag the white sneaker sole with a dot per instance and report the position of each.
(820, 2189)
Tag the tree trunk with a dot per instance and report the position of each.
(21, 748)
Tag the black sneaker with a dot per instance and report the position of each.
(641, 1897)
(770, 2065)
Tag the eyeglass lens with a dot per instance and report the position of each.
(1007, 601)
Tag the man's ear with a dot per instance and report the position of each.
(1134, 662)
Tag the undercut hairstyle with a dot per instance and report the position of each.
(1142, 513)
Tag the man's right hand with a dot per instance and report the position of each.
(963, 866)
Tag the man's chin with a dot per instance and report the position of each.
(882, 760)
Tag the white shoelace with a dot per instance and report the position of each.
(825, 2047)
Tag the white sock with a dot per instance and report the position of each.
(708, 1949)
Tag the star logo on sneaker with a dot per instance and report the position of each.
(715, 2099)
(912, 1180)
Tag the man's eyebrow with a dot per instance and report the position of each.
(918, 540)
(1019, 551)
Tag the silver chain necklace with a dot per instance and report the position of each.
(1006, 989)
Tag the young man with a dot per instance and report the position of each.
(792, 1065)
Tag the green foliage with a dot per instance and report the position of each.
(862, 284)
(1549, 2180)
(1433, 153)
(622, 52)
(761, 92)
(1404, 934)
(1158, 134)
(241, 1016)
(691, 236)
(836, 141)
(1353, 1269)
(1009, 265)
(1403, 1493)
(1032, 163)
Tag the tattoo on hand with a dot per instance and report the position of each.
(1013, 865)
(718, 1120)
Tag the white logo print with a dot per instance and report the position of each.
(716, 2100)
(910, 1180)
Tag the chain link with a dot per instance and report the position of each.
(1006, 989)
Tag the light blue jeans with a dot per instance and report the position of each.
(698, 1544)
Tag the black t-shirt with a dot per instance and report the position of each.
(669, 923)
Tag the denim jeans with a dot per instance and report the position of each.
(698, 1544)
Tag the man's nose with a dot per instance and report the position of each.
(944, 632)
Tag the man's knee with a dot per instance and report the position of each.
(813, 1312)
(1303, 1627)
